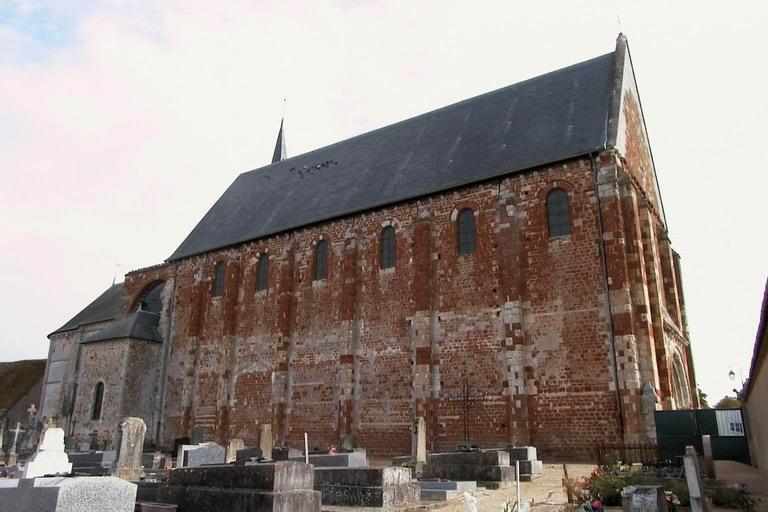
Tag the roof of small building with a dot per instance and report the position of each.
(550, 118)
(760, 347)
(18, 378)
(104, 308)
(140, 325)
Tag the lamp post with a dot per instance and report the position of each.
(732, 376)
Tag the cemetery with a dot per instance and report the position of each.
(206, 476)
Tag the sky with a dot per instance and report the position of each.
(122, 122)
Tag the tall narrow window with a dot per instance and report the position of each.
(387, 248)
(262, 273)
(218, 279)
(466, 231)
(98, 397)
(321, 260)
(558, 218)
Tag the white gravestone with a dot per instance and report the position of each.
(60, 494)
(421, 441)
(50, 458)
(265, 441)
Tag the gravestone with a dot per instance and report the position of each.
(709, 462)
(265, 441)
(12, 456)
(59, 494)
(204, 453)
(50, 457)
(131, 442)
(281, 486)
(233, 447)
(421, 441)
(366, 487)
(644, 498)
(693, 478)
(248, 454)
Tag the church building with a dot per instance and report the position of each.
(501, 267)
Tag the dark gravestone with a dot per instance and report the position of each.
(366, 487)
(178, 442)
(282, 486)
(248, 454)
(481, 466)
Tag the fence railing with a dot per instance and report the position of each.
(629, 453)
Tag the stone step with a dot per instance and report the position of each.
(466, 472)
(484, 458)
(438, 494)
(448, 485)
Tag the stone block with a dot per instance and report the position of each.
(277, 476)
(59, 494)
(211, 499)
(346, 460)
(247, 454)
(449, 485)
(233, 447)
(486, 458)
(476, 472)
(521, 453)
(366, 487)
(202, 454)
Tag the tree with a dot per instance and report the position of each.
(728, 402)
(703, 399)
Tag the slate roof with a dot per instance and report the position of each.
(105, 307)
(546, 119)
(141, 325)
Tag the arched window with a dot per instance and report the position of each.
(321, 260)
(98, 397)
(558, 218)
(218, 279)
(387, 248)
(465, 224)
(262, 273)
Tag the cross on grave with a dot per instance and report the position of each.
(16, 433)
(466, 398)
(32, 410)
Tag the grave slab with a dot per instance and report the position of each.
(366, 487)
(248, 454)
(644, 498)
(76, 494)
(344, 460)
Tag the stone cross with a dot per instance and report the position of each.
(693, 478)
(32, 410)
(16, 433)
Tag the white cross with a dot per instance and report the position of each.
(16, 432)
(32, 410)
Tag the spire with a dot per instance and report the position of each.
(280, 154)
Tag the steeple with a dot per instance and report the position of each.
(280, 153)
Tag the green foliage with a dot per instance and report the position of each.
(728, 402)
(703, 399)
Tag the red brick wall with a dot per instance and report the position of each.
(360, 354)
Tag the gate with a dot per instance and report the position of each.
(677, 429)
